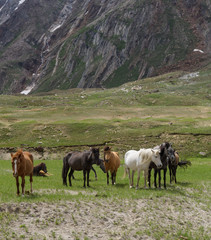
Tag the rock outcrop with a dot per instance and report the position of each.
(66, 44)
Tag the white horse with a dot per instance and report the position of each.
(140, 160)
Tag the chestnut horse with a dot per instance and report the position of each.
(111, 163)
(22, 165)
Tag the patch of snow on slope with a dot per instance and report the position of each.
(190, 76)
(20, 2)
(3, 5)
(28, 89)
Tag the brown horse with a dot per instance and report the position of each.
(173, 167)
(22, 165)
(112, 163)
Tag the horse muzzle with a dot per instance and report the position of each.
(160, 165)
(15, 175)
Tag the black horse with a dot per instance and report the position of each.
(78, 161)
(38, 168)
(102, 167)
(166, 155)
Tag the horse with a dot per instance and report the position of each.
(37, 170)
(22, 165)
(102, 167)
(140, 160)
(78, 161)
(111, 163)
(166, 155)
(173, 166)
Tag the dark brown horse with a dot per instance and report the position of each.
(22, 165)
(102, 167)
(173, 166)
(40, 169)
(78, 161)
(166, 156)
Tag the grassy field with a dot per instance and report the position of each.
(143, 113)
(182, 211)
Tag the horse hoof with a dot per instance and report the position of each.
(131, 187)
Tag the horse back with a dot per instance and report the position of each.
(29, 162)
(79, 160)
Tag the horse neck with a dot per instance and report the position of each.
(145, 164)
(107, 155)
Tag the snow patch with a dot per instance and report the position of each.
(28, 89)
(190, 76)
(20, 2)
(3, 5)
(198, 50)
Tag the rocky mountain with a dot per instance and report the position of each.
(48, 44)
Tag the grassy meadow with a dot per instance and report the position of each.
(139, 114)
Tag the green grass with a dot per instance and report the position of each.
(194, 183)
(143, 113)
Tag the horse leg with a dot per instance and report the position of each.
(17, 184)
(159, 178)
(114, 177)
(88, 171)
(31, 180)
(84, 172)
(107, 178)
(95, 173)
(133, 172)
(149, 177)
(170, 173)
(155, 178)
(164, 177)
(70, 175)
(145, 178)
(175, 171)
(139, 171)
(23, 185)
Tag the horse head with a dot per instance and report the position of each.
(94, 155)
(171, 154)
(16, 160)
(107, 153)
(43, 167)
(156, 158)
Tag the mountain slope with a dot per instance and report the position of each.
(72, 43)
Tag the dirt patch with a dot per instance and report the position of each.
(153, 218)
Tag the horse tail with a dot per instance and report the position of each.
(184, 163)
(125, 172)
(65, 166)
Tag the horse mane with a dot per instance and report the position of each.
(20, 151)
(107, 148)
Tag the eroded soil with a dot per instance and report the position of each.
(103, 218)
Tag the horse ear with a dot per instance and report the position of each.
(152, 151)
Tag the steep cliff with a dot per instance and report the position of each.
(89, 43)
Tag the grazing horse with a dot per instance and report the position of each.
(140, 160)
(166, 155)
(40, 167)
(173, 166)
(79, 161)
(22, 165)
(111, 163)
